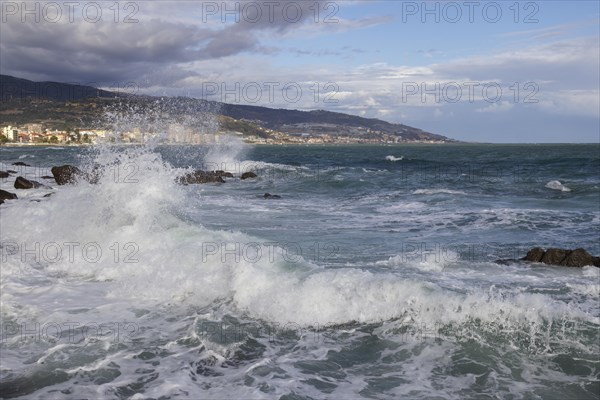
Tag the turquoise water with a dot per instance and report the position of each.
(372, 276)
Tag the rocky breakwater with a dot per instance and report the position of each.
(200, 176)
(559, 257)
(562, 257)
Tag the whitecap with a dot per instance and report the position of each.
(557, 185)
(394, 159)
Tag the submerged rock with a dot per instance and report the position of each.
(65, 174)
(271, 196)
(506, 261)
(21, 163)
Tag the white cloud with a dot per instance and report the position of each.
(499, 107)
(585, 103)
(192, 54)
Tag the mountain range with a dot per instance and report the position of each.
(61, 105)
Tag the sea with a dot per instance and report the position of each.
(369, 272)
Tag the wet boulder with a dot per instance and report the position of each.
(562, 257)
(223, 174)
(65, 174)
(534, 255)
(580, 258)
(22, 183)
(554, 256)
(4, 174)
(199, 176)
(4, 195)
(248, 175)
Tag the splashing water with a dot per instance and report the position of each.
(152, 262)
(227, 154)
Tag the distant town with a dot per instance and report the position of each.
(38, 134)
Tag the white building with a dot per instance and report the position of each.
(11, 132)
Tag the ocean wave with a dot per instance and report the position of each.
(178, 260)
(164, 266)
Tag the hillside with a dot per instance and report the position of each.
(64, 105)
(12, 88)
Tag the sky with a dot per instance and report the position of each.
(502, 72)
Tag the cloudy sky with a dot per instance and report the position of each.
(502, 71)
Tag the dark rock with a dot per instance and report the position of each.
(579, 258)
(198, 177)
(48, 194)
(224, 174)
(554, 256)
(10, 171)
(506, 261)
(561, 257)
(4, 174)
(248, 175)
(271, 196)
(65, 174)
(21, 163)
(534, 255)
(47, 177)
(22, 183)
(4, 195)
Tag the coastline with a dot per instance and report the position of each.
(434, 144)
(217, 144)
